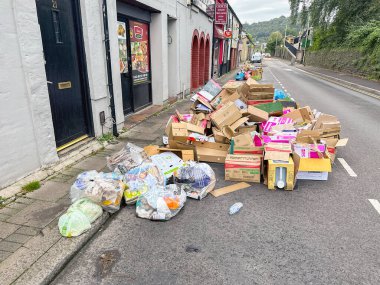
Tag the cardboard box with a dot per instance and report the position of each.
(257, 115)
(302, 115)
(257, 102)
(230, 131)
(211, 152)
(223, 98)
(245, 168)
(175, 130)
(184, 154)
(219, 136)
(246, 129)
(226, 115)
(311, 168)
(277, 151)
(274, 174)
(232, 86)
(332, 144)
(309, 150)
(256, 91)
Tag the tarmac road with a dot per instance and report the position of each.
(320, 233)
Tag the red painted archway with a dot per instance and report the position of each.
(201, 60)
(195, 60)
(206, 74)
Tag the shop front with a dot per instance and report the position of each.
(133, 31)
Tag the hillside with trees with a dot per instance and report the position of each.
(262, 30)
(346, 34)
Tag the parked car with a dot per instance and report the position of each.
(256, 58)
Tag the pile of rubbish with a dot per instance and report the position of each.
(155, 179)
(249, 71)
(260, 134)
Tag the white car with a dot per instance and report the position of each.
(256, 58)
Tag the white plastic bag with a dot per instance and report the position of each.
(140, 179)
(74, 223)
(196, 179)
(91, 210)
(105, 189)
(127, 158)
(161, 203)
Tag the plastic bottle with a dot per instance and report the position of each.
(235, 208)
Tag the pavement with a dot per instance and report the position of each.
(32, 250)
(320, 233)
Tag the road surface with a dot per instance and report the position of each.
(320, 233)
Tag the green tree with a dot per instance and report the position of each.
(275, 39)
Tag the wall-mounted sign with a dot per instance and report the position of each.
(227, 34)
(221, 10)
(139, 51)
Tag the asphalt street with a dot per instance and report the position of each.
(320, 233)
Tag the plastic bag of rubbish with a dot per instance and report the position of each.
(196, 179)
(279, 94)
(140, 179)
(73, 223)
(125, 159)
(161, 203)
(91, 210)
(105, 189)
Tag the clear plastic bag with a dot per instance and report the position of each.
(161, 203)
(196, 179)
(127, 158)
(141, 179)
(74, 223)
(105, 189)
(91, 210)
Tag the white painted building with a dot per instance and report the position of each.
(56, 74)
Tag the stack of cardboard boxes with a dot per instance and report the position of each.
(258, 138)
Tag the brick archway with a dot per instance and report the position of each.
(201, 60)
(206, 74)
(195, 60)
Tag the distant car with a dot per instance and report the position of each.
(256, 58)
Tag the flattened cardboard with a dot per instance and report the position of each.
(301, 115)
(229, 189)
(219, 136)
(257, 115)
(243, 140)
(277, 151)
(272, 109)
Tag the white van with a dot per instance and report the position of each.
(256, 58)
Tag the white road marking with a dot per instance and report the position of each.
(288, 69)
(375, 204)
(347, 167)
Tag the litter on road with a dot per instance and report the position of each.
(259, 133)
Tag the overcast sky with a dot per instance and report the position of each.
(259, 10)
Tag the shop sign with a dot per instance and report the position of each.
(227, 34)
(221, 10)
(139, 51)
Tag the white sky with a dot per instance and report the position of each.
(259, 10)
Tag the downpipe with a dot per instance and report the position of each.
(109, 67)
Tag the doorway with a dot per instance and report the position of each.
(134, 61)
(65, 69)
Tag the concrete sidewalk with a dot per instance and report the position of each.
(32, 251)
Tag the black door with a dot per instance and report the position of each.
(59, 24)
(134, 61)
